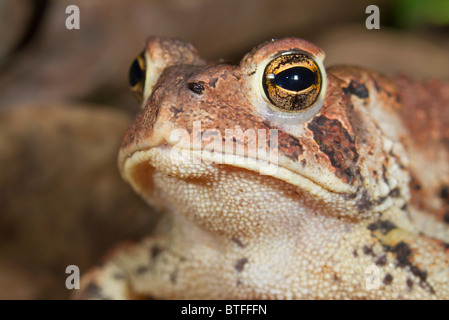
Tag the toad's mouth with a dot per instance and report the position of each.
(201, 167)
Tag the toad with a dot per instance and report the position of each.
(282, 179)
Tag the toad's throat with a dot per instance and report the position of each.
(139, 167)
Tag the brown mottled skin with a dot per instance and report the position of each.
(360, 195)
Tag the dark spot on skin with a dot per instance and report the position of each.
(238, 283)
(155, 250)
(290, 146)
(251, 73)
(357, 89)
(409, 283)
(444, 193)
(384, 173)
(403, 256)
(334, 141)
(303, 162)
(395, 193)
(240, 264)
(336, 278)
(175, 111)
(349, 196)
(238, 242)
(141, 270)
(368, 250)
(404, 207)
(266, 124)
(388, 279)
(173, 276)
(354, 253)
(414, 184)
(446, 246)
(93, 291)
(119, 276)
(382, 260)
(364, 203)
(213, 82)
(446, 218)
(381, 200)
(427, 286)
(422, 275)
(294, 141)
(196, 87)
(384, 226)
(403, 253)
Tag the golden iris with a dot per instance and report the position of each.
(292, 82)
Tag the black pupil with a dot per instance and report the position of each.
(295, 79)
(135, 73)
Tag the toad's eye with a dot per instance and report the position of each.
(292, 82)
(137, 74)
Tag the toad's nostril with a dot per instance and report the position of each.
(196, 87)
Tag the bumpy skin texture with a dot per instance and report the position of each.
(357, 208)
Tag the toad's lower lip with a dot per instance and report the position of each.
(138, 167)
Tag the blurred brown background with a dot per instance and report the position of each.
(65, 103)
